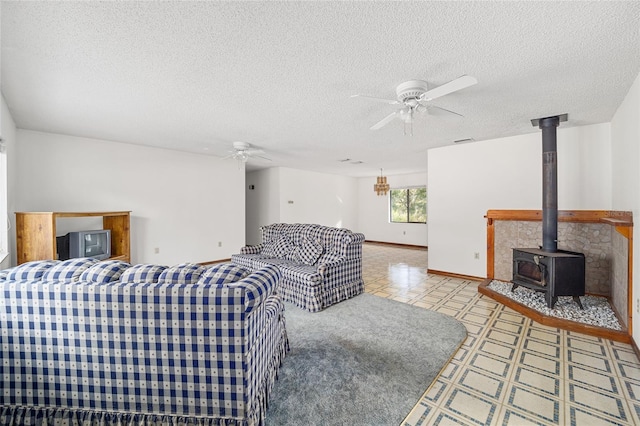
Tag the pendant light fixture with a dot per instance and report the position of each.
(381, 186)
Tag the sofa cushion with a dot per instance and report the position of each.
(301, 274)
(280, 247)
(68, 270)
(30, 271)
(309, 251)
(245, 260)
(330, 258)
(105, 272)
(222, 274)
(262, 262)
(142, 273)
(184, 273)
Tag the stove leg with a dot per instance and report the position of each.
(577, 300)
(551, 300)
(513, 287)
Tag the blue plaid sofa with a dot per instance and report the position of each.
(320, 265)
(101, 343)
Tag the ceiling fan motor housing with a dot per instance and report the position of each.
(240, 146)
(411, 89)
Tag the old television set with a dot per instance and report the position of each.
(96, 244)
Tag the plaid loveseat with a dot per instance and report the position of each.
(101, 343)
(320, 265)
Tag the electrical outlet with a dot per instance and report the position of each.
(219, 243)
(476, 255)
(156, 250)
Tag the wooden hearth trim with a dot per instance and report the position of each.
(591, 330)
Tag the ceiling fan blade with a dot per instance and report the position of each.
(261, 157)
(384, 121)
(442, 110)
(450, 87)
(387, 101)
(253, 151)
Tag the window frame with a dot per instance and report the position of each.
(407, 189)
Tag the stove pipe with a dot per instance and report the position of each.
(549, 181)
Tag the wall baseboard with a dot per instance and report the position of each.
(384, 243)
(213, 262)
(454, 275)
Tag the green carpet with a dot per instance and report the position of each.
(364, 361)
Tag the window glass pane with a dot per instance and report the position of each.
(418, 205)
(398, 205)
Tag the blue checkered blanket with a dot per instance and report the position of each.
(320, 265)
(166, 352)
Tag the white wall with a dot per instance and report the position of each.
(373, 212)
(625, 140)
(183, 204)
(311, 197)
(8, 134)
(467, 180)
(263, 202)
(297, 196)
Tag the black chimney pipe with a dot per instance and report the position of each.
(549, 181)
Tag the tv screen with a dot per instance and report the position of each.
(95, 244)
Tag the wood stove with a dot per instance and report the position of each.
(547, 269)
(555, 274)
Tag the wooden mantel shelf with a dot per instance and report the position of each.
(615, 218)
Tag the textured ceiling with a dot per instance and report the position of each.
(196, 76)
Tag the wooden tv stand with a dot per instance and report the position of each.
(36, 234)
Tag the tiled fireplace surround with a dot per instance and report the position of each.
(605, 237)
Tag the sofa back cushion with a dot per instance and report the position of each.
(184, 273)
(142, 273)
(30, 271)
(69, 270)
(307, 252)
(223, 273)
(332, 240)
(279, 247)
(104, 272)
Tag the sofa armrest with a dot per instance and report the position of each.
(357, 238)
(251, 249)
(330, 261)
(258, 286)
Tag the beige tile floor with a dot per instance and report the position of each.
(510, 370)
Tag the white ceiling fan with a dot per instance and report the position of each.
(242, 152)
(414, 95)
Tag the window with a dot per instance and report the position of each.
(409, 205)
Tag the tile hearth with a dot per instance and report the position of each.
(597, 310)
(510, 370)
